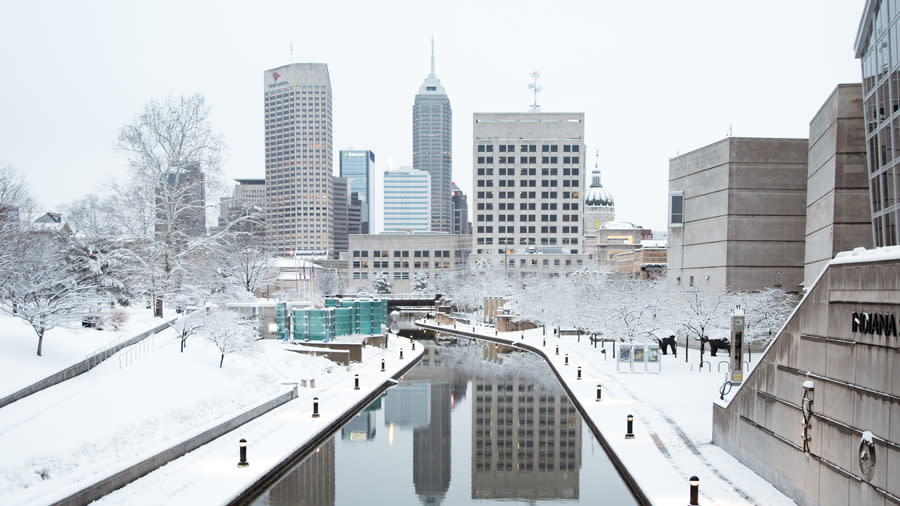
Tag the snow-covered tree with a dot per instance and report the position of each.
(15, 209)
(230, 332)
(43, 288)
(187, 326)
(380, 284)
(174, 156)
(765, 312)
(247, 264)
(421, 283)
(329, 282)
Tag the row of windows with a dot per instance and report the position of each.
(443, 253)
(529, 159)
(525, 241)
(525, 195)
(528, 148)
(364, 264)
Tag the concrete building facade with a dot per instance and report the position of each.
(737, 215)
(433, 147)
(878, 48)
(528, 178)
(407, 200)
(399, 256)
(837, 184)
(358, 167)
(299, 152)
(839, 350)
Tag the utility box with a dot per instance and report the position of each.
(737, 345)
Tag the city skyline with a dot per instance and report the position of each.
(700, 68)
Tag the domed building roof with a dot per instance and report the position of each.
(596, 194)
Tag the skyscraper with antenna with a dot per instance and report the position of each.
(432, 146)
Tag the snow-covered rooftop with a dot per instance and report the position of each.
(859, 255)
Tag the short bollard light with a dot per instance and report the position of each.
(579, 373)
(567, 359)
(401, 353)
(414, 345)
(629, 432)
(545, 342)
(315, 407)
(356, 382)
(243, 446)
(523, 335)
(557, 349)
(382, 365)
(599, 392)
(695, 491)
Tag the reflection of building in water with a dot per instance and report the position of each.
(431, 449)
(526, 442)
(360, 428)
(312, 482)
(408, 406)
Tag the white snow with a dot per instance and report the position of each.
(115, 415)
(858, 255)
(150, 396)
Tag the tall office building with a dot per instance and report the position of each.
(341, 216)
(299, 186)
(528, 177)
(432, 146)
(877, 44)
(460, 211)
(407, 195)
(357, 167)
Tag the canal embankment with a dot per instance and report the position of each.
(671, 415)
(275, 440)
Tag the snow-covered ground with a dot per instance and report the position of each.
(63, 346)
(672, 420)
(143, 400)
(69, 436)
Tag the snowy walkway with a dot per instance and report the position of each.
(141, 401)
(672, 420)
(209, 475)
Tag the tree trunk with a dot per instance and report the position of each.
(221, 360)
(40, 334)
(182, 343)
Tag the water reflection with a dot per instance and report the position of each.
(518, 439)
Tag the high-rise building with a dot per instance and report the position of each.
(357, 166)
(299, 186)
(181, 204)
(460, 211)
(341, 216)
(244, 211)
(407, 199)
(432, 146)
(529, 169)
(877, 43)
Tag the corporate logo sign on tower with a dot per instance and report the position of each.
(275, 83)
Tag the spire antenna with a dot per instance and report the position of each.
(537, 89)
(432, 54)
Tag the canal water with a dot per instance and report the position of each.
(467, 425)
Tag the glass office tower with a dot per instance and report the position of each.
(878, 48)
(357, 167)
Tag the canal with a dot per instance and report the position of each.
(466, 425)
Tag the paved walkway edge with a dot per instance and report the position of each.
(80, 367)
(629, 480)
(277, 472)
(132, 473)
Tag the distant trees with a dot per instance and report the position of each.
(380, 284)
(420, 282)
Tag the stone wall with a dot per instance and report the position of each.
(856, 379)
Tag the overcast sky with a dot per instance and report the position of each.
(654, 78)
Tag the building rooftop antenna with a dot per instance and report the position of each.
(537, 89)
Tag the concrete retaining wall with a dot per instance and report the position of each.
(81, 367)
(124, 477)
